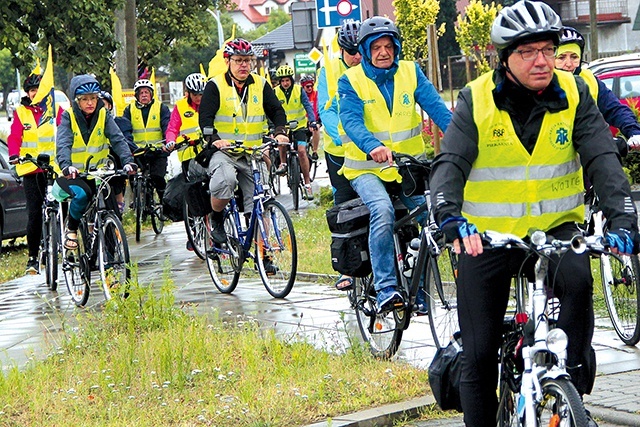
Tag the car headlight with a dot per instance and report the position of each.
(557, 341)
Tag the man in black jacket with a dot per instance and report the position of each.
(512, 160)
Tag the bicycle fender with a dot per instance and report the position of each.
(554, 373)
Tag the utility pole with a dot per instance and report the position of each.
(593, 24)
(126, 59)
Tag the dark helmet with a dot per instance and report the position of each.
(348, 35)
(107, 97)
(237, 47)
(377, 25)
(32, 81)
(525, 20)
(571, 35)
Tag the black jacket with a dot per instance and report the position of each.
(591, 138)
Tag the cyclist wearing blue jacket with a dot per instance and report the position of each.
(569, 58)
(378, 112)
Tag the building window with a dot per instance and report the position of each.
(267, 11)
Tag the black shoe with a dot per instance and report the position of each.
(590, 421)
(314, 156)
(217, 232)
(269, 267)
(32, 266)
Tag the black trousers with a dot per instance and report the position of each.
(342, 190)
(483, 292)
(35, 188)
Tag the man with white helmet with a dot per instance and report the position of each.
(512, 159)
(149, 120)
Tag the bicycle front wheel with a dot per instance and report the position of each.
(313, 167)
(157, 217)
(382, 332)
(51, 248)
(139, 202)
(113, 258)
(274, 178)
(196, 230)
(276, 250)
(441, 293)
(560, 404)
(294, 180)
(224, 260)
(76, 270)
(620, 285)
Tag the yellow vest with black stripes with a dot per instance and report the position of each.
(230, 122)
(293, 107)
(512, 191)
(400, 130)
(189, 127)
(152, 132)
(97, 146)
(337, 69)
(35, 140)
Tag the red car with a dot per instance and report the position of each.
(625, 84)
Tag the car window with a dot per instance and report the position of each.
(608, 83)
(629, 87)
(4, 152)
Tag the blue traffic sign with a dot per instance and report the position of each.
(331, 13)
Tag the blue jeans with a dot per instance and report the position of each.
(373, 193)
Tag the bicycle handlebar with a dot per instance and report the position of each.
(543, 244)
(43, 161)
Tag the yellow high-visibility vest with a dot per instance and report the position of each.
(293, 107)
(189, 127)
(337, 69)
(35, 140)
(97, 146)
(152, 132)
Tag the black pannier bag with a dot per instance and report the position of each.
(173, 198)
(444, 374)
(198, 198)
(349, 226)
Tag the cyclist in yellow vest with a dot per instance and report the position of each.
(378, 112)
(511, 161)
(235, 107)
(617, 114)
(86, 130)
(31, 134)
(298, 107)
(149, 120)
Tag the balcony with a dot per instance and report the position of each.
(576, 12)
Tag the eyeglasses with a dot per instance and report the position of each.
(529, 54)
(87, 98)
(247, 61)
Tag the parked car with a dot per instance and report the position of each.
(613, 63)
(13, 100)
(62, 100)
(625, 84)
(13, 202)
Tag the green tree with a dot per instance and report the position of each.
(473, 32)
(412, 19)
(447, 43)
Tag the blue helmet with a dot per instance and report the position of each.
(88, 88)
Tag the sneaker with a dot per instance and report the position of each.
(282, 169)
(217, 232)
(387, 298)
(314, 156)
(421, 303)
(32, 266)
(308, 192)
(189, 246)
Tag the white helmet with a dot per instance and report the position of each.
(195, 82)
(143, 83)
(522, 20)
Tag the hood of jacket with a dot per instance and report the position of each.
(379, 75)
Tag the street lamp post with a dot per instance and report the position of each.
(216, 16)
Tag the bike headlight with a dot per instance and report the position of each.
(557, 341)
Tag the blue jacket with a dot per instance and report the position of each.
(352, 108)
(329, 116)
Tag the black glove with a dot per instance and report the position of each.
(14, 160)
(626, 241)
(313, 125)
(457, 227)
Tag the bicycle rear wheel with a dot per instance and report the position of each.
(441, 293)
(225, 260)
(76, 270)
(157, 217)
(274, 178)
(50, 248)
(620, 287)
(313, 167)
(382, 332)
(560, 404)
(294, 180)
(276, 250)
(196, 231)
(139, 203)
(113, 257)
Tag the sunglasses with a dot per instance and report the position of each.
(352, 52)
(308, 86)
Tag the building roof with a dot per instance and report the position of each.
(247, 8)
(280, 39)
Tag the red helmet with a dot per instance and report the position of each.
(237, 47)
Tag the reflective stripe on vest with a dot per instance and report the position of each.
(231, 122)
(150, 134)
(539, 190)
(400, 130)
(35, 140)
(97, 146)
(189, 126)
(592, 82)
(293, 108)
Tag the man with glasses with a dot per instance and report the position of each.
(235, 106)
(569, 58)
(308, 82)
(512, 160)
